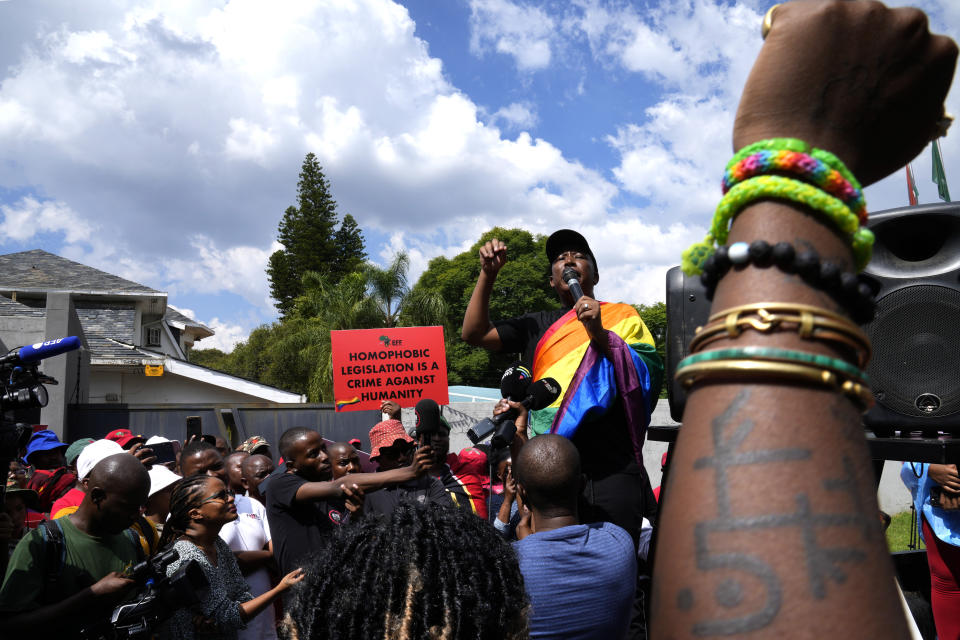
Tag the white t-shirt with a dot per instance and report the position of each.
(250, 532)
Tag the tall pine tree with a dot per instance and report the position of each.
(311, 240)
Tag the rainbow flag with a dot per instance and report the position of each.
(340, 404)
(591, 382)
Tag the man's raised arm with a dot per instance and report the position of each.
(477, 329)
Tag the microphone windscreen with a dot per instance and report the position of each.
(543, 392)
(515, 382)
(428, 416)
(50, 348)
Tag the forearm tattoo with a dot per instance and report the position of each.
(742, 571)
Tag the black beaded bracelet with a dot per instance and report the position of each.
(846, 287)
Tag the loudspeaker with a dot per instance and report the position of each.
(915, 370)
(687, 309)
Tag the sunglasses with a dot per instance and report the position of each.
(223, 496)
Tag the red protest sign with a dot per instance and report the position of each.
(372, 365)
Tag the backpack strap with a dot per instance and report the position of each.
(54, 553)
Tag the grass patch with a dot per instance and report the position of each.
(898, 534)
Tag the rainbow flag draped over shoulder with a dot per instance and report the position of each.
(591, 382)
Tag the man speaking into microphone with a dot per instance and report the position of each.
(605, 360)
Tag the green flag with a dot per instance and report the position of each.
(939, 177)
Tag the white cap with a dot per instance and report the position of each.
(161, 478)
(93, 453)
(155, 440)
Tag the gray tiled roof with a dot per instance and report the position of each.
(103, 348)
(10, 308)
(38, 269)
(173, 315)
(108, 328)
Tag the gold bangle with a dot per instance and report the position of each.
(767, 22)
(810, 325)
(781, 306)
(783, 371)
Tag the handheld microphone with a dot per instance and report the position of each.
(540, 395)
(515, 382)
(573, 282)
(428, 417)
(35, 352)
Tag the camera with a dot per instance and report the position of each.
(22, 387)
(500, 433)
(159, 596)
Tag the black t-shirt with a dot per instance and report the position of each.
(521, 334)
(423, 490)
(297, 526)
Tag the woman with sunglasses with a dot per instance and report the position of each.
(199, 507)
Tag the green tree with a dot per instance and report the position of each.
(655, 317)
(311, 240)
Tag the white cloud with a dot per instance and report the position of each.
(29, 217)
(226, 336)
(519, 30)
(517, 115)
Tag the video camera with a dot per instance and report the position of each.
(22, 387)
(158, 598)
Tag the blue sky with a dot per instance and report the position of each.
(161, 141)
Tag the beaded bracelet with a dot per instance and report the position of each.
(777, 355)
(817, 166)
(779, 188)
(766, 371)
(811, 323)
(845, 287)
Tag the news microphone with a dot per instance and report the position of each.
(428, 417)
(515, 382)
(540, 395)
(573, 282)
(35, 352)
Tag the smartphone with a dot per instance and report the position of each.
(166, 452)
(194, 427)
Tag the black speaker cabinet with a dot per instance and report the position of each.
(687, 309)
(915, 371)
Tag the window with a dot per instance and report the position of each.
(153, 336)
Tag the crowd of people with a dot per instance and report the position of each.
(548, 537)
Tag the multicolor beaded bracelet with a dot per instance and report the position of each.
(791, 155)
(779, 188)
(800, 165)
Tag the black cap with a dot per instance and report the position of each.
(567, 240)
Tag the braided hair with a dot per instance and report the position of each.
(423, 572)
(186, 496)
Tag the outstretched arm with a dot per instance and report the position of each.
(367, 482)
(868, 84)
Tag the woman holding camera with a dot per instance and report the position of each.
(199, 507)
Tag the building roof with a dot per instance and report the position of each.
(10, 307)
(38, 270)
(177, 320)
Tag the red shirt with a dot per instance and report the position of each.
(69, 501)
(50, 485)
(469, 473)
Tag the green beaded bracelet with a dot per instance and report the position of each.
(780, 188)
(780, 355)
